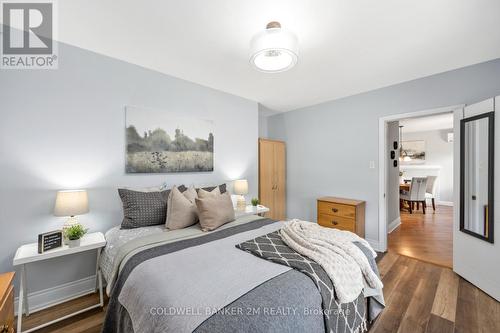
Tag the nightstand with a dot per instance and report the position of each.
(251, 210)
(29, 253)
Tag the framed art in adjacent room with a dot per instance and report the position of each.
(161, 142)
(413, 152)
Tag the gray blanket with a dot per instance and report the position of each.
(347, 317)
(279, 301)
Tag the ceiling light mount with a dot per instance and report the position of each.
(274, 50)
(273, 25)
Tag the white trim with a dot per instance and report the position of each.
(444, 203)
(42, 299)
(374, 244)
(394, 224)
(382, 209)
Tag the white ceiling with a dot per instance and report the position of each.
(346, 47)
(429, 123)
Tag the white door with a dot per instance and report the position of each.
(474, 259)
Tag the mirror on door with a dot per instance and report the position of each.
(476, 175)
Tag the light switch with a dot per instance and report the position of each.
(372, 164)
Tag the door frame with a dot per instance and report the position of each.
(383, 151)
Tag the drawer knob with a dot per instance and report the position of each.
(335, 222)
(335, 210)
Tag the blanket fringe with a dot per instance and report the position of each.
(363, 327)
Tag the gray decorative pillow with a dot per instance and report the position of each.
(182, 211)
(142, 209)
(214, 211)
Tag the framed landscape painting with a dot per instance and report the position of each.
(160, 142)
(413, 152)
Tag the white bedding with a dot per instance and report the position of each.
(115, 238)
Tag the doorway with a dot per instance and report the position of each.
(416, 183)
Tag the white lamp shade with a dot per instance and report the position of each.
(240, 187)
(71, 203)
(274, 50)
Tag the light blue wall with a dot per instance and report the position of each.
(330, 145)
(264, 114)
(65, 128)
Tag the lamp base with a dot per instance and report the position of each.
(71, 221)
(241, 204)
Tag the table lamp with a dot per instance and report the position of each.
(71, 203)
(241, 188)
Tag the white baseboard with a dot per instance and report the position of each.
(444, 203)
(42, 299)
(394, 224)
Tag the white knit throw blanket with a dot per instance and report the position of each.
(333, 249)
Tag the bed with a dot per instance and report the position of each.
(188, 280)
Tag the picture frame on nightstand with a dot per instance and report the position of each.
(50, 240)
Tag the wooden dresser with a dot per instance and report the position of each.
(6, 303)
(344, 214)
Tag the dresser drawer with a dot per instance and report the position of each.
(336, 209)
(337, 222)
(7, 310)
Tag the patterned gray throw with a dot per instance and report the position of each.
(347, 317)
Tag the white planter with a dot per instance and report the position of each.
(74, 243)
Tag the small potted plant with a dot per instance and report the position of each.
(255, 202)
(74, 234)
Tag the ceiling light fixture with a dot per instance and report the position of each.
(274, 50)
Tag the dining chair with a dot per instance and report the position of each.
(416, 194)
(430, 191)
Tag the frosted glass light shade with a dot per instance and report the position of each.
(240, 187)
(274, 50)
(71, 203)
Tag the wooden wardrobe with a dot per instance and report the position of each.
(272, 190)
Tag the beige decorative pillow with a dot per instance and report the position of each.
(181, 211)
(205, 194)
(214, 211)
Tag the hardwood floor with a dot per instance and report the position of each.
(423, 297)
(426, 237)
(420, 297)
(88, 322)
